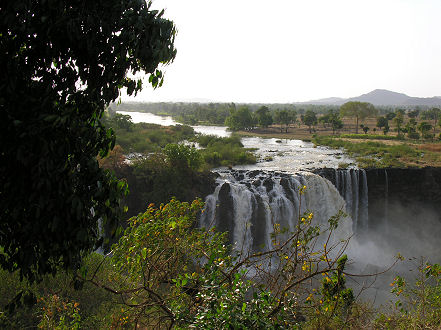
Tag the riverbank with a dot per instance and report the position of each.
(370, 151)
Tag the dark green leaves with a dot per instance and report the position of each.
(62, 63)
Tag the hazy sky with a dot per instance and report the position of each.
(298, 50)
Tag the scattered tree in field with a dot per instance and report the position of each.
(62, 63)
(331, 118)
(390, 115)
(411, 129)
(382, 122)
(357, 110)
(336, 122)
(424, 127)
(432, 114)
(400, 112)
(310, 119)
(398, 120)
(364, 128)
(284, 117)
(325, 119)
(413, 113)
(264, 117)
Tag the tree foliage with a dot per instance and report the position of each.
(178, 276)
(285, 117)
(310, 119)
(264, 117)
(432, 114)
(62, 63)
(240, 119)
(357, 110)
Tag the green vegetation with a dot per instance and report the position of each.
(224, 151)
(148, 138)
(164, 272)
(419, 303)
(373, 154)
(369, 137)
(62, 63)
(168, 165)
(309, 119)
(240, 119)
(357, 110)
(145, 138)
(285, 118)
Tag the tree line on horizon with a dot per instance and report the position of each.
(247, 117)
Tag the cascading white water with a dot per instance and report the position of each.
(249, 204)
(364, 203)
(386, 201)
(352, 185)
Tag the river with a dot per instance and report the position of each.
(285, 155)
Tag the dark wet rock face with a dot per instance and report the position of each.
(225, 211)
(407, 197)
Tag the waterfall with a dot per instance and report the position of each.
(386, 201)
(249, 204)
(352, 186)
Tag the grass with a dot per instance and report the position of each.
(371, 137)
(376, 154)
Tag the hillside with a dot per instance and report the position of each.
(383, 97)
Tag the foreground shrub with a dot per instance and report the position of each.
(419, 303)
(170, 274)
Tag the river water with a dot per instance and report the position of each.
(285, 155)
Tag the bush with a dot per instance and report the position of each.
(189, 278)
(419, 303)
(413, 135)
(369, 137)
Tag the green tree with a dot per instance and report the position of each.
(182, 157)
(364, 128)
(310, 119)
(62, 63)
(390, 115)
(413, 113)
(240, 119)
(357, 110)
(264, 117)
(398, 120)
(120, 121)
(411, 127)
(382, 122)
(285, 117)
(432, 114)
(332, 118)
(325, 119)
(424, 127)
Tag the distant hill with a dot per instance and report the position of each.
(383, 97)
